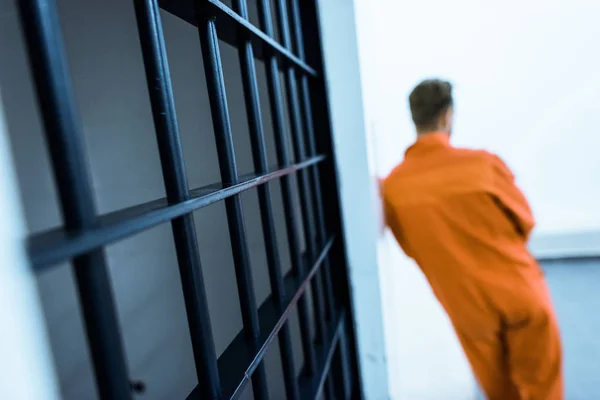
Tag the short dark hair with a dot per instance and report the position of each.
(428, 101)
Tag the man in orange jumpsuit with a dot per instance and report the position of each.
(459, 215)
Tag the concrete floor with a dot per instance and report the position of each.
(576, 295)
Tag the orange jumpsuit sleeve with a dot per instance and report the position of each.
(512, 199)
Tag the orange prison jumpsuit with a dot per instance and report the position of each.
(459, 215)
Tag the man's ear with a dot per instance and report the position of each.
(448, 118)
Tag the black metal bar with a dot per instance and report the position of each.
(328, 182)
(276, 103)
(229, 23)
(235, 355)
(297, 29)
(306, 201)
(173, 168)
(312, 387)
(303, 182)
(220, 116)
(39, 19)
(335, 342)
(315, 178)
(259, 152)
(283, 23)
(344, 362)
(50, 248)
(282, 320)
(317, 198)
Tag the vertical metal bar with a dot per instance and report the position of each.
(312, 150)
(336, 374)
(229, 175)
(40, 25)
(283, 156)
(303, 183)
(259, 153)
(315, 179)
(344, 362)
(317, 198)
(317, 98)
(176, 185)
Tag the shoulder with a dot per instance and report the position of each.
(484, 167)
(497, 165)
(474, 155)
(486, 160)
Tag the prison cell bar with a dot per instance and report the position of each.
(311, 150)
(259, 154)
(62, 129)
(284, 316)
(228, 24)
(299, 151)
(187, 205)
(281, 144)
(309, 185)
(235, 381)
(176, 185)
(320, 111)
(315, 184)
(222, 129)
(52, 247)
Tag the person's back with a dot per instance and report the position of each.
(459, 215)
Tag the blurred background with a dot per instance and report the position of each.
(526, 89)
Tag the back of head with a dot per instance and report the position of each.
(430, 102)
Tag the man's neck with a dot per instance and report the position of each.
(432, 132)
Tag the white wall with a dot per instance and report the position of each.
(424, 358)
(526, 83)
(339, 39)
(526, 87)
(25, 366)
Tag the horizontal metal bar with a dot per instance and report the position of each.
(312, 387)
(235, 376)
(55, 246)
(228, 23)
